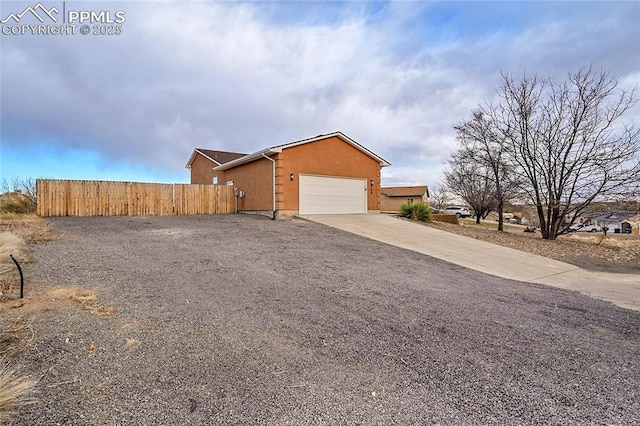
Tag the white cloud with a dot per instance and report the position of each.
(241, 76)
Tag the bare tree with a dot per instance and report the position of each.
(568, 144)
(482, 143)
(472, 182)
(439, 198)
(5, 186)
(24, 185)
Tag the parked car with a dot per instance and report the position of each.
(590, 228)
(459, 211)
(575, 227)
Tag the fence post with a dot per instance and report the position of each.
(174, 198)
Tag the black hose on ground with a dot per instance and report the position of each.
(21, 276)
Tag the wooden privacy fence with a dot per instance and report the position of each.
(106, 198)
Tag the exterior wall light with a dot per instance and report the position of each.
(292, 177)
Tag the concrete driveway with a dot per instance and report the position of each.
(621, 289)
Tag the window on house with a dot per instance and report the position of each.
(215, 180)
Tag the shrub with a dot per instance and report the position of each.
(417, 211)
(406, 210)
(17, 202)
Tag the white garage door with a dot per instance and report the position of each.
(332, 195)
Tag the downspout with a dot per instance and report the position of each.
(273, 217)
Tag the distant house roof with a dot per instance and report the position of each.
(616, 216)
(404, 191)
(635, 218)
(278, 149)
(217, 157)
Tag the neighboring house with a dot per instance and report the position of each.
(631, 225)
(391, 198)
(618, 221)
(327, 174)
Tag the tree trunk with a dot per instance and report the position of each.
(543, 222)
(500, 215)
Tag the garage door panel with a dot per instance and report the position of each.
(332, 195)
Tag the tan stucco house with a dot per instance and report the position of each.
(393, 197)
(327, 174)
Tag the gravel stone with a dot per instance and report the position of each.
(237, 319)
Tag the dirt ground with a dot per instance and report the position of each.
(236, 319)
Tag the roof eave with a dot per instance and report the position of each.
(193, 156)
(278, 149)
(247, 159)
(347, 139)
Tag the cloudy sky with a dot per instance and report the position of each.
(243, 76)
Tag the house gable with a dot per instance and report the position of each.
(216, 157)
(280, 148)
(203, 161)
(338, 135)
(329, 156)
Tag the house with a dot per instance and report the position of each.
(202, 162)
(391, 198)
(619, 221)
(631, 225)
(326, 174)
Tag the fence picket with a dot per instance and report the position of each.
(105, 198)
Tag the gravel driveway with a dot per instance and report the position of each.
(237, 319)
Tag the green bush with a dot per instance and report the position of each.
(417, 211)
(406, 210)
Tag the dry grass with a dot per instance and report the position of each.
(17, 335)
(31, 228)
(87, 298)
(17, 232)
(15, 338)
(17, 202)
(101, 310)
(16, 391)
(10, 244)
(131, 344)
(83, 297)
